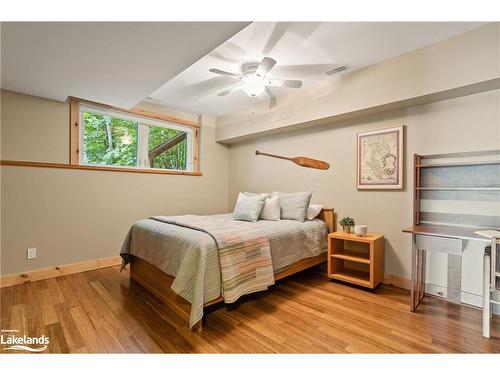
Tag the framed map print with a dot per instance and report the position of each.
(380, 159)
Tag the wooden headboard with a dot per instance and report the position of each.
(328, 216)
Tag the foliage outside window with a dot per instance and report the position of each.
(175, 157)
(112, 138)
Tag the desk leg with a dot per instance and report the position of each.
(417, 274)
(414, 262)
(422, 275)
(486, 295)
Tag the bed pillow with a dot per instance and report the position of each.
(249, 207)
(293, 206)
(253, 194)
(271, 210)
(313, 210)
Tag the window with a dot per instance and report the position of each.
(124, 139)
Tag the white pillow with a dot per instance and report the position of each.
(248, 208)
(294, 206)
(313, 210)
(271, 210)
(252, 195)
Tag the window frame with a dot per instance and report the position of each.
(144, 119)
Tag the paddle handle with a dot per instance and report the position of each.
(272, 155)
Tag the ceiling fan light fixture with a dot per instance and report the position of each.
(254, 86)
(253, 80)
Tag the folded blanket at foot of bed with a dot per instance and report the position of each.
(244, 252)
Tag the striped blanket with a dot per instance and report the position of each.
(244, 252)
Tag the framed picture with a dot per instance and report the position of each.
(380, 159)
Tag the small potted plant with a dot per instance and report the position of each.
(347, 223)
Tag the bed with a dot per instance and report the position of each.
(183, 264)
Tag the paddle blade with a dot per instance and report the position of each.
(311, 163)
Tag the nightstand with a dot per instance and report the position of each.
(357, 260)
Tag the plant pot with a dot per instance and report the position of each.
(346, 229)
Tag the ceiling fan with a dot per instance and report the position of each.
(253, 79)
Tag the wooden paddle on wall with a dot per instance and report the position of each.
(300, 160)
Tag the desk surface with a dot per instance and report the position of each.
(447, 232)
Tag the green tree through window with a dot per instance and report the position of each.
(173, 158)
(109, 141)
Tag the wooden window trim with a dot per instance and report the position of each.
(39, 164)
(74, 152)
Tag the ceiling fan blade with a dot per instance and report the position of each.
(265, 66)
(224, 73)
(283, 83)
(230, 90)
(272, 98)
(337, 69)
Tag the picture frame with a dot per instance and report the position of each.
(380, 159)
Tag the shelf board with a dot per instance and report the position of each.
(459, 164)
(352, 276)
(461, 154)
(352, 256)
(459, 189)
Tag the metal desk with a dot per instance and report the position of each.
(450, 240)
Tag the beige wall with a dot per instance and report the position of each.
(34, 129)
(464, 124)
(73, 215)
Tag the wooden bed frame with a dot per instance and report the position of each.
(159, 283)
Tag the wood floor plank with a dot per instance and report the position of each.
(103, 311)
(73, 336)
(34, 310)
(6, 304)
(87, 330)
(58, 343)
(20, 319)
(56, 294)
(49, 315)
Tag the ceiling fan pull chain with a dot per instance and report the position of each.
(252, 119)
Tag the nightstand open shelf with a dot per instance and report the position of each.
(352, 275)
(353, 256)
(357, 260)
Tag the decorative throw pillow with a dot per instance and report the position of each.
(294, 206)
(313, 210)
(253, 195)
(248, 208)
(271, 210)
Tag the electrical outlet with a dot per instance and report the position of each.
(31, 253)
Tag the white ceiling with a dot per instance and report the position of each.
(117, 63)
(303, 51)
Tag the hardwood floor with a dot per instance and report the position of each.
(102, 311)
